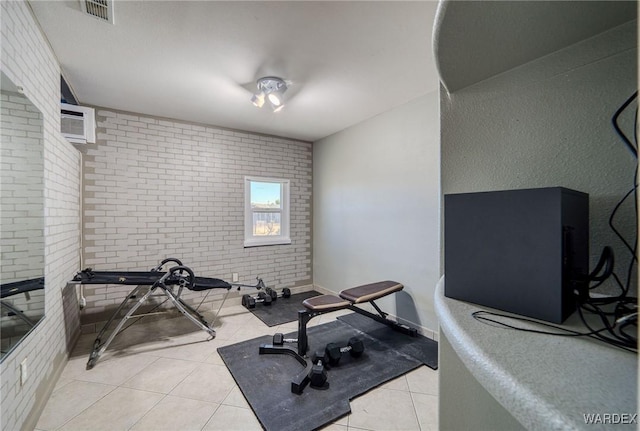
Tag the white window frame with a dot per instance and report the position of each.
(251, 240)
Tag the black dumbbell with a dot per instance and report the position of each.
(319, 357)
(318, 377)
(272, 293)
(279, 340)
(264, 298)
(286, 293)
(333, 351)
(248, 301)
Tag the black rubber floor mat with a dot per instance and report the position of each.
(282, 310)
(423, 349)
(265, 380)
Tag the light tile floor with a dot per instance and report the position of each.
(157, 376)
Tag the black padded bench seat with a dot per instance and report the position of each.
(325, 303)
(354, 295)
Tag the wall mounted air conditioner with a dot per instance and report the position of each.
(78, 123)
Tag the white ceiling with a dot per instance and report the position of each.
(198, 61)
(501, 35)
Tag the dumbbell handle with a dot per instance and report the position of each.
(278, 339)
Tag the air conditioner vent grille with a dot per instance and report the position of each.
(72, 125)
(78, 124)
(101, 9)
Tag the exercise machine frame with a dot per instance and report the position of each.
(301, 380)
(156, 283)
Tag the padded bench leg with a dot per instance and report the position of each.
(301, 380)
(304, 317)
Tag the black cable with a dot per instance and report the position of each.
(632, 249)
(606, 334)
(613, 213)
(617, 128)
(479, 315)
(622, 327)
(623, 313)
(635, 128)
(612, 300)
(634, 252)
(616, 341)
(565, 332)
(605, 258)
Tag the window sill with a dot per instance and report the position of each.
(265, 242)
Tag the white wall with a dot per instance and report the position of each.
(28, 61)
(376, 207)
(545, 123)
(548, 123)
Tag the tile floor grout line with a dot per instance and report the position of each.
(415, 411)
(210, 417)
(114, 387)
(148, 411)
(240, 326)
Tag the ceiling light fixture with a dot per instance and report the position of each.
(272, 89)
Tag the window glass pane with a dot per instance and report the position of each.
(265, 224)
(265, 195)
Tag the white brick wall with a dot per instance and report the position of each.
(28, 61)
(22, 183)
(21, 210)
(155, 188)
(185, 199)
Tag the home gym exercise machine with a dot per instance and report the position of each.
(154, 283)
(314, 372)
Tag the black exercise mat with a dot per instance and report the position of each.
(425, 350)
(282, 310)
(265, 380)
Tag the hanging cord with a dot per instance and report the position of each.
(619, 325)
(633, 148)
(626, 341)
(615, 323)
(617, 128)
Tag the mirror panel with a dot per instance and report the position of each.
(22, 216)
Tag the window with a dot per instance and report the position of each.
(266, 211)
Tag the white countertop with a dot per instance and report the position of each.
(546, 382)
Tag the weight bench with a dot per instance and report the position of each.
(346, 299)
(154, 281)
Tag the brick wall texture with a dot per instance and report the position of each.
(22, 214)
(28, 61)
(156, 188)
(22, 197)
(151, 188)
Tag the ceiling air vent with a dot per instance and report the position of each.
(100, 9)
